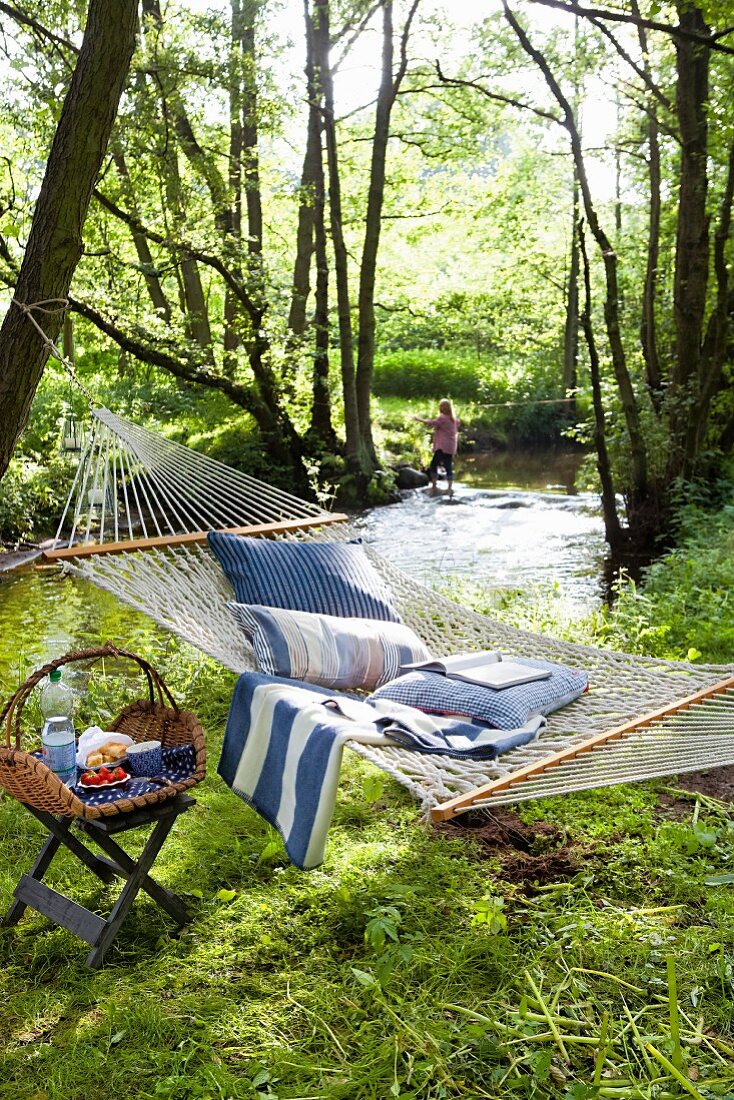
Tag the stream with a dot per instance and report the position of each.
(514, 522)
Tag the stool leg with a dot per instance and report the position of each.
(60, 827)
(129, 891)
(42, 864)
(166, 899)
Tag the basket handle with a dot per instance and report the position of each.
(13, 709)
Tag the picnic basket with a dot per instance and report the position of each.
(24, 775)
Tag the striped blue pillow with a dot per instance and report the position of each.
(328, 578)
(324, 649)
(502, 708)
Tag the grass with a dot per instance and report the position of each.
(407, 967)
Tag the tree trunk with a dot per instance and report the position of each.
(341, 266)
(312, 168)
(231, 340)
(321, 425)
(312, 227)
(386, 95)
(157, 296)
(716, 341)
(250, 151)
(373, 224)
(55, 239)
(648, 325)
(192, 299)
(692, 246)
(612, 526)
(571, 329)
(638, 450)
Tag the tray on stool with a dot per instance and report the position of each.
(99, 932)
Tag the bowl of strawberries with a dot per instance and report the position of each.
(103, 778)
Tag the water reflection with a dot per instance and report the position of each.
(539, 471)
(44, 613)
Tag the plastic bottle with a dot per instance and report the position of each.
(58, 740)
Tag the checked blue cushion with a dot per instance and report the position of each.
(502, 708)
(327, 578)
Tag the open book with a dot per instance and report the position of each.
(487, 668)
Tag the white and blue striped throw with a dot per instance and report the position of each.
(283, 746)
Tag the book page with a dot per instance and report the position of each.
(457, 663)
(471, 660)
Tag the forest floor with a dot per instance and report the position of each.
(579, 947)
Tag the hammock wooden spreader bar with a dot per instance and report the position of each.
(710, 745)
(259, 529)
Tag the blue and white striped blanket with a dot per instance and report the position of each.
(283, 746)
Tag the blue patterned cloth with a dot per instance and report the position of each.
(326, 649)
(328, 578)
(179, 762)
(283, 746)
(503, 708)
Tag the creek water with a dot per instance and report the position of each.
(514, 522)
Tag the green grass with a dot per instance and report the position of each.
(406, 967)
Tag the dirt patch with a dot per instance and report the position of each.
(528, 853)
(715, 783)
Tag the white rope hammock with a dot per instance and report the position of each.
(175, 580)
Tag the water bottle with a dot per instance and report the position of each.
(58, 741)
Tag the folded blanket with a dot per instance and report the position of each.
(283, 746)
(413, 729)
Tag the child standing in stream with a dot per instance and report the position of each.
(445, 435)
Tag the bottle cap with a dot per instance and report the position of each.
(55, 675)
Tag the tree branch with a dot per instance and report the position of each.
(25, 20)
(708, 40)
(196, 254)
(643, 75)
(456, 82)
(189, 371)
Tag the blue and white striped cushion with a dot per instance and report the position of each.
(502, 708)
(334, 578)
(324, 649)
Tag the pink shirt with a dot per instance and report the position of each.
(445, 432)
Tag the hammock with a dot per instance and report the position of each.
(154, 499)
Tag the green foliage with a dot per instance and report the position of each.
(431, 374)
(682, 610)
(490, 911)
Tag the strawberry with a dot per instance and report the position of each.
(92, 779)
(119, 774)
(105, 775)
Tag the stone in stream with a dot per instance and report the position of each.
(408, 478)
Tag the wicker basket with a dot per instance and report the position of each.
(158, 718)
